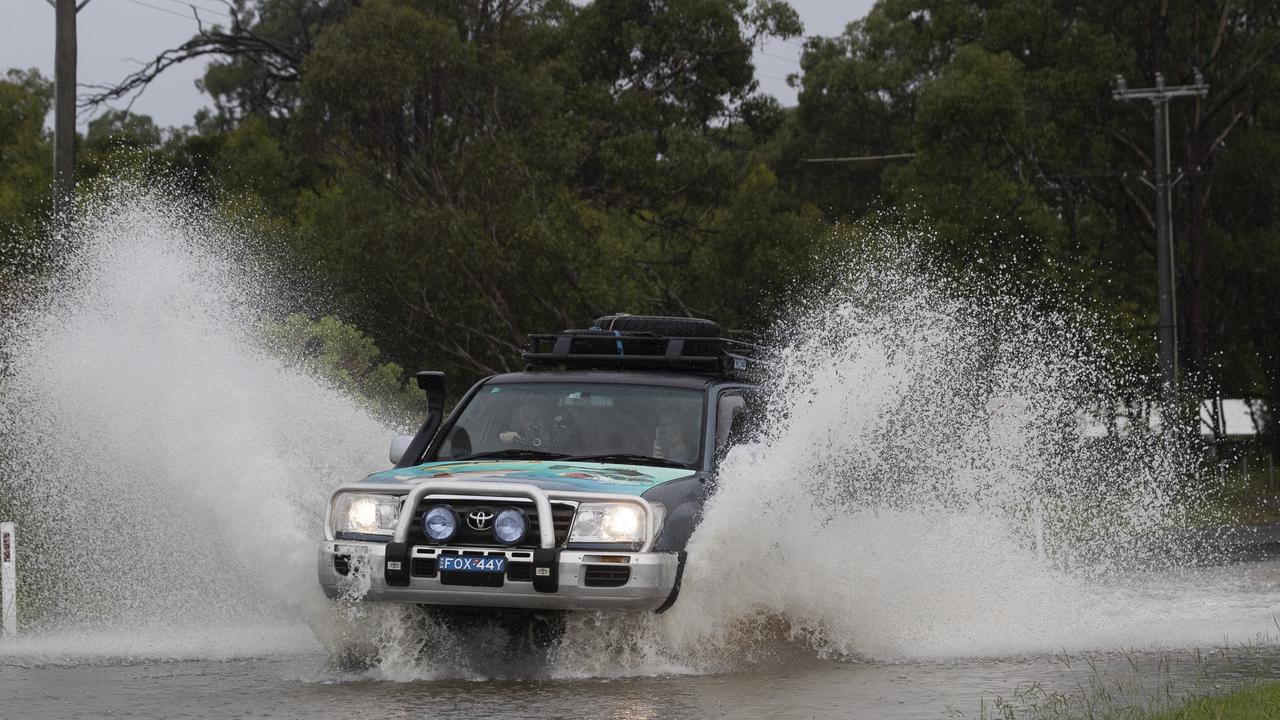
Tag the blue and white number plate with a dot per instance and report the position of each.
(464, 563)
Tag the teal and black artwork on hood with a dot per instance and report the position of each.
(546, 474)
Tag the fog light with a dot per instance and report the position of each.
(510, 525)
(440, 523)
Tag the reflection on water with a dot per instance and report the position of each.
(298, 687)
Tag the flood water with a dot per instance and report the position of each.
(303, 686)
(282, 670)
(924, 524)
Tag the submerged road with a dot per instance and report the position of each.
(253, 674)
(298, 687)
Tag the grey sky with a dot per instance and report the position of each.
(779, 58)
(114, 34)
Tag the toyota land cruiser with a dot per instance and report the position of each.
(574, 484)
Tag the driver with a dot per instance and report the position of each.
(536, 422)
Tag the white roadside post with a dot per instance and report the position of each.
(8, 580)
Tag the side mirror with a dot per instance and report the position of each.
(399, 444)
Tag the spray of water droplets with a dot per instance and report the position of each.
(924, 486)
(166, 472)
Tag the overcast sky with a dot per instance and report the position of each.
(115, 34)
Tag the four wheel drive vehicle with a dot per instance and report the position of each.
(574, 484)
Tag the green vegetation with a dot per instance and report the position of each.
(1223, 683)
(342, 355)
(1254, 703)
(459, 174)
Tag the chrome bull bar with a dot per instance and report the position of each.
(472, 488)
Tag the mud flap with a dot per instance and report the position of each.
(396, 570)
(675, 589)
(546, 570)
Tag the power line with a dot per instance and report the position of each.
(202, 8)
(860, 158)
(762, 52)
(166, 11)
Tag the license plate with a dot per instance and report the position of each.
(463, 563)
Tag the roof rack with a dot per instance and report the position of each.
(603, 349)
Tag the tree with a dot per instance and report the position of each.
(523, 168)
(25, 171)
(1022, 159)
(341, 354)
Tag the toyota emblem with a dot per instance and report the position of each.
(479, 520)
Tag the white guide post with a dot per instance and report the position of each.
(8, 580)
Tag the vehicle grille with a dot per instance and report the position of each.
(342, 564)
(561, 514)
(607, 575)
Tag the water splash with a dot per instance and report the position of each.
(923, 488)
(168, 474)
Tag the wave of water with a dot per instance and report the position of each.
(167, 473)
(919, 488)
(923, 488)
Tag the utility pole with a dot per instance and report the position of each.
(1165, 265)
(64, 109)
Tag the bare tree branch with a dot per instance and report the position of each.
(282, 64)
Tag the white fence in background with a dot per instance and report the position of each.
(8, 580)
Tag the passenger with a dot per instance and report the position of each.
(674, 439)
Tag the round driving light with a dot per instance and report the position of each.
(510, 525)
(440, 523)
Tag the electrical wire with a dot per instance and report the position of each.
(762, 52)
(201, 8)
(166, 11)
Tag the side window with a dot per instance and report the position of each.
(733, 412)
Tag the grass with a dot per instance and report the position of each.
(1246, 485)
(1230, 683)
(1261, 702)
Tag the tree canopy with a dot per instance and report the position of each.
(462, 173)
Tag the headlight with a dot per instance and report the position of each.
(608, 523)
(510, 525)
(366, 514)
(440, 523)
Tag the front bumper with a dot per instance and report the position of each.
(556, 578)
(651, 579)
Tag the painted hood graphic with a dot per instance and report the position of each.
(546, 474)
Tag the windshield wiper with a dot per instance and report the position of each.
(630, 458)
(515, 454)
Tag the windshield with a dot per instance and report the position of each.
(612, 423)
